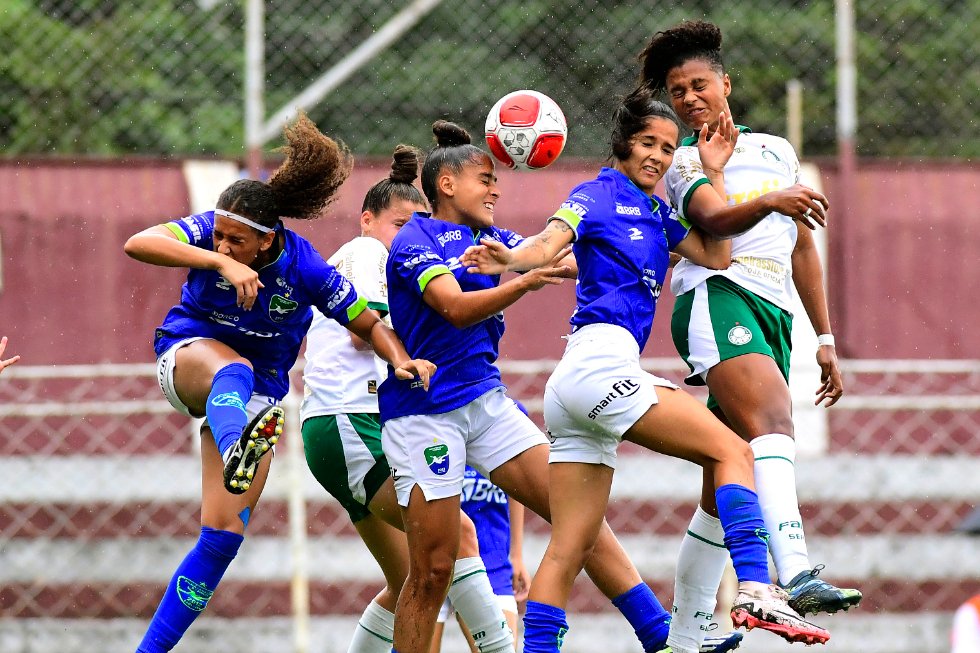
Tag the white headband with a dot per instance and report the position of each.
(238, 218)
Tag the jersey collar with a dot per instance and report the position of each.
(625, 182)
(693, 138)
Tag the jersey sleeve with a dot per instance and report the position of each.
(364, 266)
(683, 177)
(416, 263)
(674, 228)
(332, 293)
(583, 201)
(194, 230)
(509, 238)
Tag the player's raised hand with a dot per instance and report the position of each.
(489, 257)
(244, 279)
(416, 368)
(10, 361)
(717, 150)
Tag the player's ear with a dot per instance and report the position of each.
(446, 183)
(265, 242)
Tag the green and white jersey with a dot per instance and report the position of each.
(761, 256)
(338, 378)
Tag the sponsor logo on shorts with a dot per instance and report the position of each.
(437, 458)
(620, 389)
(739, 335)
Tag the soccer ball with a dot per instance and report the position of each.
(526, 130)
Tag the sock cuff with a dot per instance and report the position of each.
(234, 369)
(707, 527)
(626, 596)
(224, 544)
(378, 620)
(534, 608)
(774, 445)
(733, 488)
(466, 567)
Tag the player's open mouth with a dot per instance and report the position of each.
(488, 206)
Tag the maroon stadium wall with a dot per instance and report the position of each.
(902, 261)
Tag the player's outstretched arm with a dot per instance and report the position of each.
(462, 309)
(493, 257)
(159, 246)
(369, 327)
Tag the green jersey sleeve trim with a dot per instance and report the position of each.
(177, 231)
(356, 308)
(687, 200)
(430, 274)
(381, 307)
(569, 217)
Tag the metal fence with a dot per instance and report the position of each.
(88, 538)
(166, 77)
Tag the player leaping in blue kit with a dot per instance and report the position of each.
(225, 351)
(454, 319)
(598, 395)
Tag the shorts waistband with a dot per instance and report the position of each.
(607, 333)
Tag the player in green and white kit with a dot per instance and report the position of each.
(342, 433)
(732, 326)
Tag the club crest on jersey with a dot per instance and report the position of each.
(437, 458)
(739, 335)
(280, 307)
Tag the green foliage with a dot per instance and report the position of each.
(166, 77)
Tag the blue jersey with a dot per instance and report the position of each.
(486, 504)
(424, 249)
(622, 243)
(269, 335)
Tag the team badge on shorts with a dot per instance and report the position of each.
(437, 458)
(739, 335)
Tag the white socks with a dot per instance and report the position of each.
(474, 600)
(775, 483)
(375, 631)
(700, 566)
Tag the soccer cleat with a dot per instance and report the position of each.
(242, 459)
(767, 607)
(721, 643)
(809, 595)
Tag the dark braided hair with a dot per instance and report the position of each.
(399, 184)
(301, 187)
(453, 150)
(675, 46)
(631, 117)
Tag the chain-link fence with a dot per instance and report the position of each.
(166, 77)
(89, 538)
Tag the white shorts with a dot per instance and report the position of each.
(507, 603)
(432, 451)
(165, 377)
(597, 392)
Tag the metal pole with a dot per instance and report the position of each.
(794, 115)
(299, 585)
(844, 203)
(254, 84)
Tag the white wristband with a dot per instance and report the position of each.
(825, 339)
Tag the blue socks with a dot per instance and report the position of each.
(190, 589)
(746, 537)
(231, 389)
(544, 628)
(649, 619)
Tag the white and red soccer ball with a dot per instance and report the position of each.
(526, 130)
